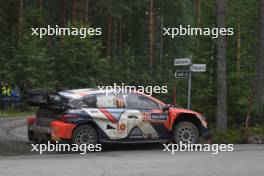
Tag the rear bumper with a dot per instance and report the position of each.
(57, 131)
(60, 130)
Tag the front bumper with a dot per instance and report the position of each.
(207, 134)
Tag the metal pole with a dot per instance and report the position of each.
(190, 86)
(174, 95)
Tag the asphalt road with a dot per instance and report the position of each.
(16, 159)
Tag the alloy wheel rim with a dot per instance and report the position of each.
(85, 137)
(186, 134)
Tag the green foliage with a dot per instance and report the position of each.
(76, 62)
(16, 113)
(71, 62)
(257, 130)
(233, 136)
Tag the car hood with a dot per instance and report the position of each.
(182, 110)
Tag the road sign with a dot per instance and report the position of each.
(198, 67)
(182, 74)
(188, 73)
(182, 61)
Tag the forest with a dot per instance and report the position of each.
(133, 50)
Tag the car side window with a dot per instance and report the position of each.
(90, 101)
(135, 101)
(104, 101)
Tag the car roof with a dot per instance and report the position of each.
(79, 93)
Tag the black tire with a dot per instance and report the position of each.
(31, 136)
(185, 132)
(85, 134)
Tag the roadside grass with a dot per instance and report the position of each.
(234, 136)
(257, 130)
(15, 113)
(238, 136)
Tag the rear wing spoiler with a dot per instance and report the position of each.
(43, 98)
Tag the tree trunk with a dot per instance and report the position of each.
(198, 12)
(74, 11)
(85, 12)
(221, 122)
(151, 34)
(161, 35)
(109, 36)
(238, 55)
(20, 18)
(81, 10)
(64, 18)
(39, 4)
(250, 107)
(259, 65)
(120, 39)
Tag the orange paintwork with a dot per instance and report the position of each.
(31, 120)
(60, 130)
(174, 112)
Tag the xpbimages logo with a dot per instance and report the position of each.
(194, 31)
(58, 31)
(57, 147)
(148, 90)
(183, 147)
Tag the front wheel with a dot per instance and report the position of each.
(185, 132)
(85, 134)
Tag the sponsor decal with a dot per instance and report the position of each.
(146, 116)
(158, 116)
(136, 133)
(154, 116)
(151, 136)
(108, 115)
(122, 127)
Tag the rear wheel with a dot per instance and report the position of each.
(31, 136)
(185, 132)
(85, 134)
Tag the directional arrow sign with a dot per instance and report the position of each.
(182, 74)
(198, 67)
(182, 61)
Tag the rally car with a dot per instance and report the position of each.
(89, 116)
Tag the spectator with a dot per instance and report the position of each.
(15, 96)
(1, 96)
(6, 95)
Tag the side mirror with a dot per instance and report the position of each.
(166, 108)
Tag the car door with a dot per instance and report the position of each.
(151, 121)
(108, 112)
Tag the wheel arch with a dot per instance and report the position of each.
(188, 117)
(91, 123)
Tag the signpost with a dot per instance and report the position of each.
(182, 62)
(182, 74)
(188, 73)
(198, 67)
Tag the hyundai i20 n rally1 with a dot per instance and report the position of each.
(88, 116)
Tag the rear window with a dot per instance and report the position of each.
(104, 101)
